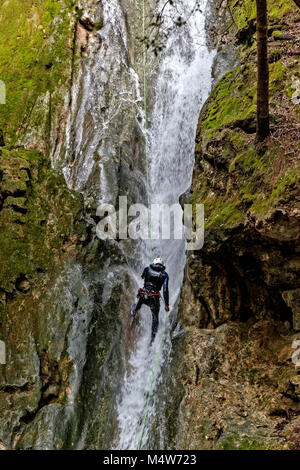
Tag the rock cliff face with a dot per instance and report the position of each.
(63, 292)
(42, 227)
(58, 317)
(41, 235)
(240, 299)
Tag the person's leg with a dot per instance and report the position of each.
(155, 304)
(138, 306)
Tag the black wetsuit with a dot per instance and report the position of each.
(155, 277)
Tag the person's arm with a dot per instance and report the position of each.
(145, 272)
(166, 289)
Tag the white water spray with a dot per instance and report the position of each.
(183, 84)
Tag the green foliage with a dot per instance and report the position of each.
(277, 77)
(252, 181)
(253, 184)
(243, 11)
(277, 9)
(277, 34)
(234, 97)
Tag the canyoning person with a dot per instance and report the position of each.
(155, 277)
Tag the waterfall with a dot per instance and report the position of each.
(103, 158)
(182, 85)
(105, 101)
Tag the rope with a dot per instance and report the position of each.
(146, 133)
(149, 231)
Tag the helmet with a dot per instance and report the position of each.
(158, 261)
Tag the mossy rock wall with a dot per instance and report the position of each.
(36, 56)
(240, 300)
(41, 230)
(59, 327)
(42, 45)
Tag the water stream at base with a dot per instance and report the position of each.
(183, 84)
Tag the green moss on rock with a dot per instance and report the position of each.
(231, 100)
(39, 215)
(35, 58)
(232, 175)
(242, 442)
(245, 10)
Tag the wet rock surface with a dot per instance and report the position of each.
(38, 217)
(240, 299)
(240, 388)
(232, 382)
(61, 287)
(61, 293)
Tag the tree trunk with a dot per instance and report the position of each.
(297, 3)
(263, 119)
(2, 144)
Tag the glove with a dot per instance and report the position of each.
(167, 308)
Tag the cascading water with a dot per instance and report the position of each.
(103, 381)
(183, 84)
(104, 103)
(102, 158)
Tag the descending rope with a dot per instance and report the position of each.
(149, 231)
(146, 133)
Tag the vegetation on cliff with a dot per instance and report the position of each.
(57, 313)
(240, 300)
(41, 228)
(42, 231)
(39, 217)
(36, 53)
(242, 177)
(60, 288)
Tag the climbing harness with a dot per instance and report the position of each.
(147, 293)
